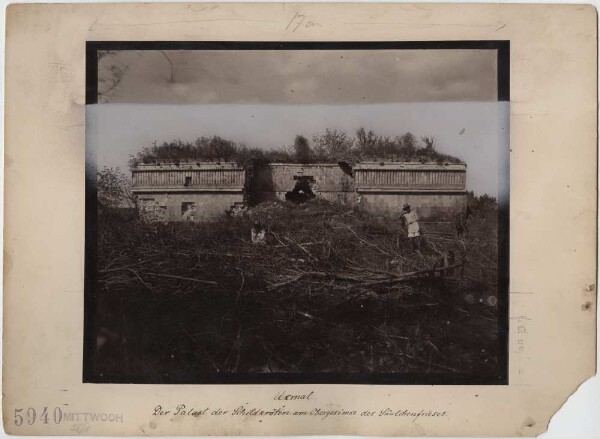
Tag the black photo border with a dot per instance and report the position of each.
(89, 375)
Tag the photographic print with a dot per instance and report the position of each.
(297, 212)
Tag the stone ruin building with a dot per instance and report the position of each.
(207, 190)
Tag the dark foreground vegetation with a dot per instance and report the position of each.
(331, 291)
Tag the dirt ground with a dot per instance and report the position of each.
(330, 291)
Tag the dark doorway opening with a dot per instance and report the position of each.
(302, 191)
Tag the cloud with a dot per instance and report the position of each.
(301, 77)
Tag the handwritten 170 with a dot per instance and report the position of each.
(300, 20)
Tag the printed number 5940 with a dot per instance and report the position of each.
(31, 416)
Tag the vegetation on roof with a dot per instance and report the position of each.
(331, 146)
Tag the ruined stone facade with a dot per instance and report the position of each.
(436, 191)
(277, 181)
(204, 191)
(187, 192)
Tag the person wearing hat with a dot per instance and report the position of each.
(411, 219)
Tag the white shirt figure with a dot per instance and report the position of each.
(412, 221)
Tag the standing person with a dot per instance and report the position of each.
(411, 220)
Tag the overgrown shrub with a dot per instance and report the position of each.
(332, 146)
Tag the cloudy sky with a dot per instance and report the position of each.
(476, 132)
(297, 76)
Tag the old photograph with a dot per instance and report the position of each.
(297, 213)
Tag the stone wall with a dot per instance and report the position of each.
(327, 181)
(200, 206)
(187, 191)
(198, 192)
(204, 175)
(427, 205)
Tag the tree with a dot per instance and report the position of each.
(409, 143)
(113, 189)
(333, 145)
(366, 142)
(481, 204)
(302, 149)
(221, 149)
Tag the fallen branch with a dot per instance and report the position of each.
(367, 242)
(171, 276)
